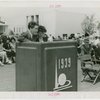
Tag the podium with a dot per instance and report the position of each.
(48, 66)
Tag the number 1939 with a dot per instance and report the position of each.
(64, 63)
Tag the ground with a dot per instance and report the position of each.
(86, 86)
(7, 80)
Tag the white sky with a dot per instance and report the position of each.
(17, 15)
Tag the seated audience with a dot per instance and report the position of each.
(96, 40)
(13, 48)
(65, 36)
(4, 38)
(3, 55)
(50, 38)
(53, 38)
(7, 48)
(86, 47)
(59, 38)
(72, 36)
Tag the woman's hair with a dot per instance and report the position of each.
(31, 24)
(42, 29)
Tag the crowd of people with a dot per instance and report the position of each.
(37, 33)
(88, 44)
(8, 42)
(62, 37)
(7, 49)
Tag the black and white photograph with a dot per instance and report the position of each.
(50, 49)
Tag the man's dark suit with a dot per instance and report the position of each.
(26, 36)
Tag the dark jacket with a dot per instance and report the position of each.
(26, 36)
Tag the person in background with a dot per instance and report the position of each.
(13, 48)
(3, 55)
(86, 47)
(82, 39)
(78, 46)
(91, 38)
(72, 36)
(65, 36)
(84, 44)
(96, 40)
(53, 38)
(50, 39)
(10, 33)
(16, 37)
(42, 34)
(4, 38)
(77, 35)
(45, 38)
(7, 48)
(59, 37)
(31, 34)
(86, 35)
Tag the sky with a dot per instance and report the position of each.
(17, 15)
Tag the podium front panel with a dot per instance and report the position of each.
(46, 66)
(26, 79)
(61, 68)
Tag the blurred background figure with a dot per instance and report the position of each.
(7, 48)
(65, 36)
(59, 37)
(86, 47)
(50, 38)
(72, 36)
(96, 40)
(10, 33)
(77, 35)
(13, 49)
(53, 38)
(3, 55)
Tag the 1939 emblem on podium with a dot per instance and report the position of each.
(61, 80)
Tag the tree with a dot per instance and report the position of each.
(89, 25)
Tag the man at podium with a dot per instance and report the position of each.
(34, 33)
(31, 34)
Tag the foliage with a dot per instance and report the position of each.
(89, 25)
